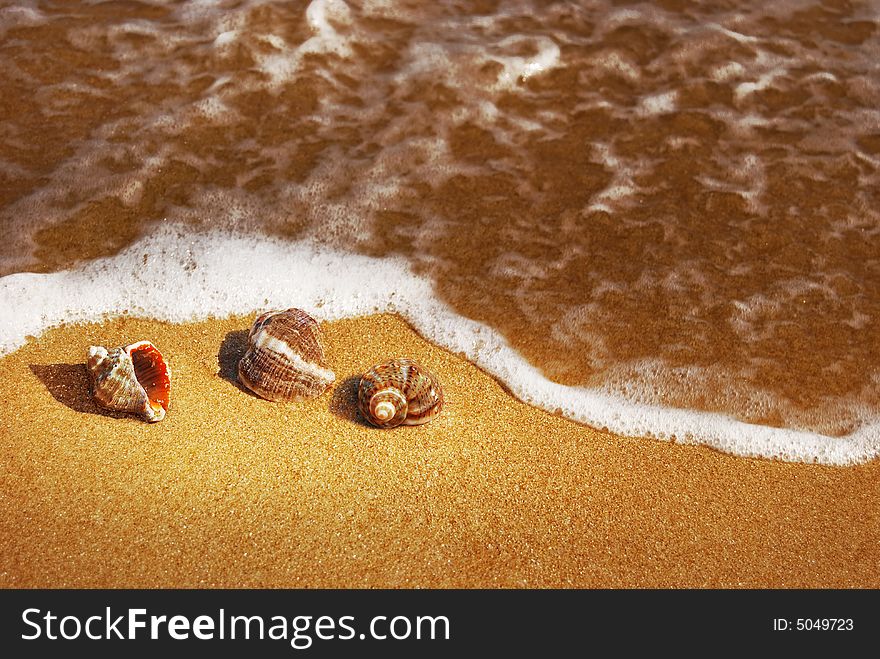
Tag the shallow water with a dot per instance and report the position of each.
(672, 205)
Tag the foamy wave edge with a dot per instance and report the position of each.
(178, 275)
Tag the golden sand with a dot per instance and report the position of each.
(234, 491)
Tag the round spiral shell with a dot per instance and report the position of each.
(399, 392)
(133, 378)
(285, 357)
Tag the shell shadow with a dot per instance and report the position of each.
(69, 385)
(343, 402)
(232, 349)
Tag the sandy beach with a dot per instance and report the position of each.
(234, 491)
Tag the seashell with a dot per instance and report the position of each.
(133, 378)
(399, 392)
(285, 357)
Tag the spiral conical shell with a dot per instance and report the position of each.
(133, 378)
(399, 392)
(285, 357)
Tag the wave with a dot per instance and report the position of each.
(177, 274)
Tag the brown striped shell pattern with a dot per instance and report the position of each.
(133, 378)
(285, 357)
(399, 392)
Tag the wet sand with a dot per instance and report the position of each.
(234, 491)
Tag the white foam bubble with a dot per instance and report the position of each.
(736, 36)
(285, 63)
(746, 88)
(728, 71)
(605, 200)
(768, 67)
(192, 276)
(274, 40)
(320, 12)
(214, 109)
(517, 68)
(658, 104)
(20, 15)
(226, 38)
(611, 61)
(622, 186)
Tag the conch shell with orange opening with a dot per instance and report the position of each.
(133, 379)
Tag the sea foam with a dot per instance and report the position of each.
(178, 275)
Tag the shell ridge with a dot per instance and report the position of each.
(407, 381)
(285, 358)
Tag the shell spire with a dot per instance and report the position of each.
(285, 357)
(399, 392)
(133, 378)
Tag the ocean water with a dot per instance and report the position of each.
(657, 218)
